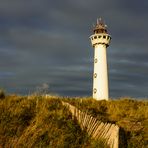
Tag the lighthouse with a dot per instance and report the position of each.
(100, 41)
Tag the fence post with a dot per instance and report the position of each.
(96, 129)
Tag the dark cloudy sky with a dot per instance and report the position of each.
(46, 43)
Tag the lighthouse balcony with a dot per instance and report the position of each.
(100, 39)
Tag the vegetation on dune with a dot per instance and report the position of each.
(36, 121)
(130, 115)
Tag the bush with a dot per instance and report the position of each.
(2, 94)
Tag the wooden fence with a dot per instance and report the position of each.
(109, 133)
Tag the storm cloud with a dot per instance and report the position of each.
(47, 42)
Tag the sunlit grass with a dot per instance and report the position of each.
(37, 121)
(42, 121)
(129, 114)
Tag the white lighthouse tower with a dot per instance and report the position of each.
(100, 41)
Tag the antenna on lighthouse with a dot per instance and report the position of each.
(97, 21)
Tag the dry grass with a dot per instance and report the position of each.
(37, 121)
(129, 114)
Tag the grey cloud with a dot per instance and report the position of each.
(48, 42)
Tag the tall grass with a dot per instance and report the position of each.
(129, 114)
(39, 122)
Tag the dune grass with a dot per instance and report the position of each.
(37, 121)
(129, 114)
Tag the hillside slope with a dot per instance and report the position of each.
(129, 114)
(43, 122)
(39, 122)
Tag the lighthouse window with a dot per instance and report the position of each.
(95, 75)
(92, 38)
(99, 36)
(95, 90)
(96, 60)
(108, 37)
(104, 37)
(95, 37)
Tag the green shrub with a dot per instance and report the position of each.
(2, 94)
